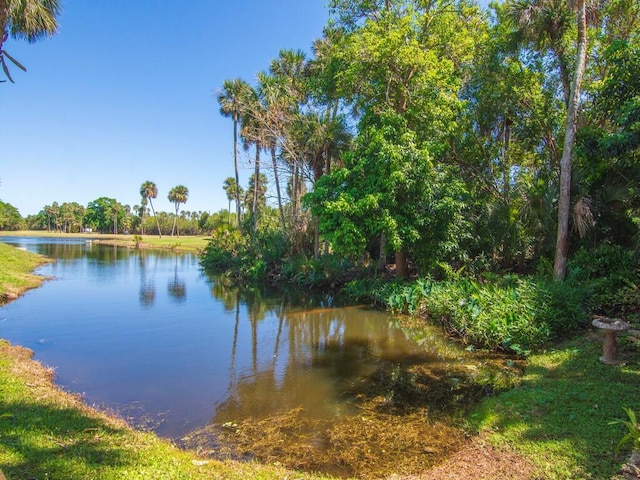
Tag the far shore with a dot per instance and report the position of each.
(184, 243)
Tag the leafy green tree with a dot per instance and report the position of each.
(71, 215)
(408, 58)
(505, 149)
(10, 218)
(177, 195)
(104, 215)
(390, 186)
(26, 19)
(149, 191)
(256, 192)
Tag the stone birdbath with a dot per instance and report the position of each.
(611, 327)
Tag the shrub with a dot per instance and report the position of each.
(610, 273)
(504, 313)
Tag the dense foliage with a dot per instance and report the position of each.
(442, 137)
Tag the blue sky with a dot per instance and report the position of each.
(125, 92)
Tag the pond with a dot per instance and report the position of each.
(149, 335)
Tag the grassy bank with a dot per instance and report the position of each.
(184, 243)
(559, 416)
(15, 272)
(47, 433)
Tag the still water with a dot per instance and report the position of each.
(150, 335)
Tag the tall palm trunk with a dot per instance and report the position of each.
(235, 164)
(564, 204)
(256, 184)
(275, 176)
(156, 217)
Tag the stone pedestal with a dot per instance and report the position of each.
(611, 327)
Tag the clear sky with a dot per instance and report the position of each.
(126, 92)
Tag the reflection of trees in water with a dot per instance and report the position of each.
(107, 254)
(147, 288)
(177, 287)
(63, 251)
(147, 295)
(327, 351)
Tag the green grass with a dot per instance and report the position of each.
(15, 271)
(559, 417)
(46, 433)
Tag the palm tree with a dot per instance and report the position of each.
(232, 102)
(148, 190)
(30, 20)
(289, 70)
(271, 97)
(141, 211)
(544, 24)
(230, 187)
(177, 195)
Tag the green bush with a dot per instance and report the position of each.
(612, 276)
(223, 250)
(503, 313)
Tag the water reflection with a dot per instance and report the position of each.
(202, 350)
(177, 287)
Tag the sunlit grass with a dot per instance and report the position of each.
(15, 271)
(47, 433)
(559, 416)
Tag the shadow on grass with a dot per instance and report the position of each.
(44, 441)
(561, 413)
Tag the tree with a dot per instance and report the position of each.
(104, 215)
(230, 187)
(148, 191)
(390, 186)
(256, 192)
(564, 201)
(408, 58)
(71, 216)
(10, 218)
(178, 195)
(544, 24)
(30, 20)
(232, 102)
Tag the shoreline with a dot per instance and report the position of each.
(185, 243)
(503, 443)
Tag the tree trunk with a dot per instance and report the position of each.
(382, 258)
(235, 164)
(564, 203)
(256, 183)
(156, 217)
(316, 238)
(402, 266)
(275, 176)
